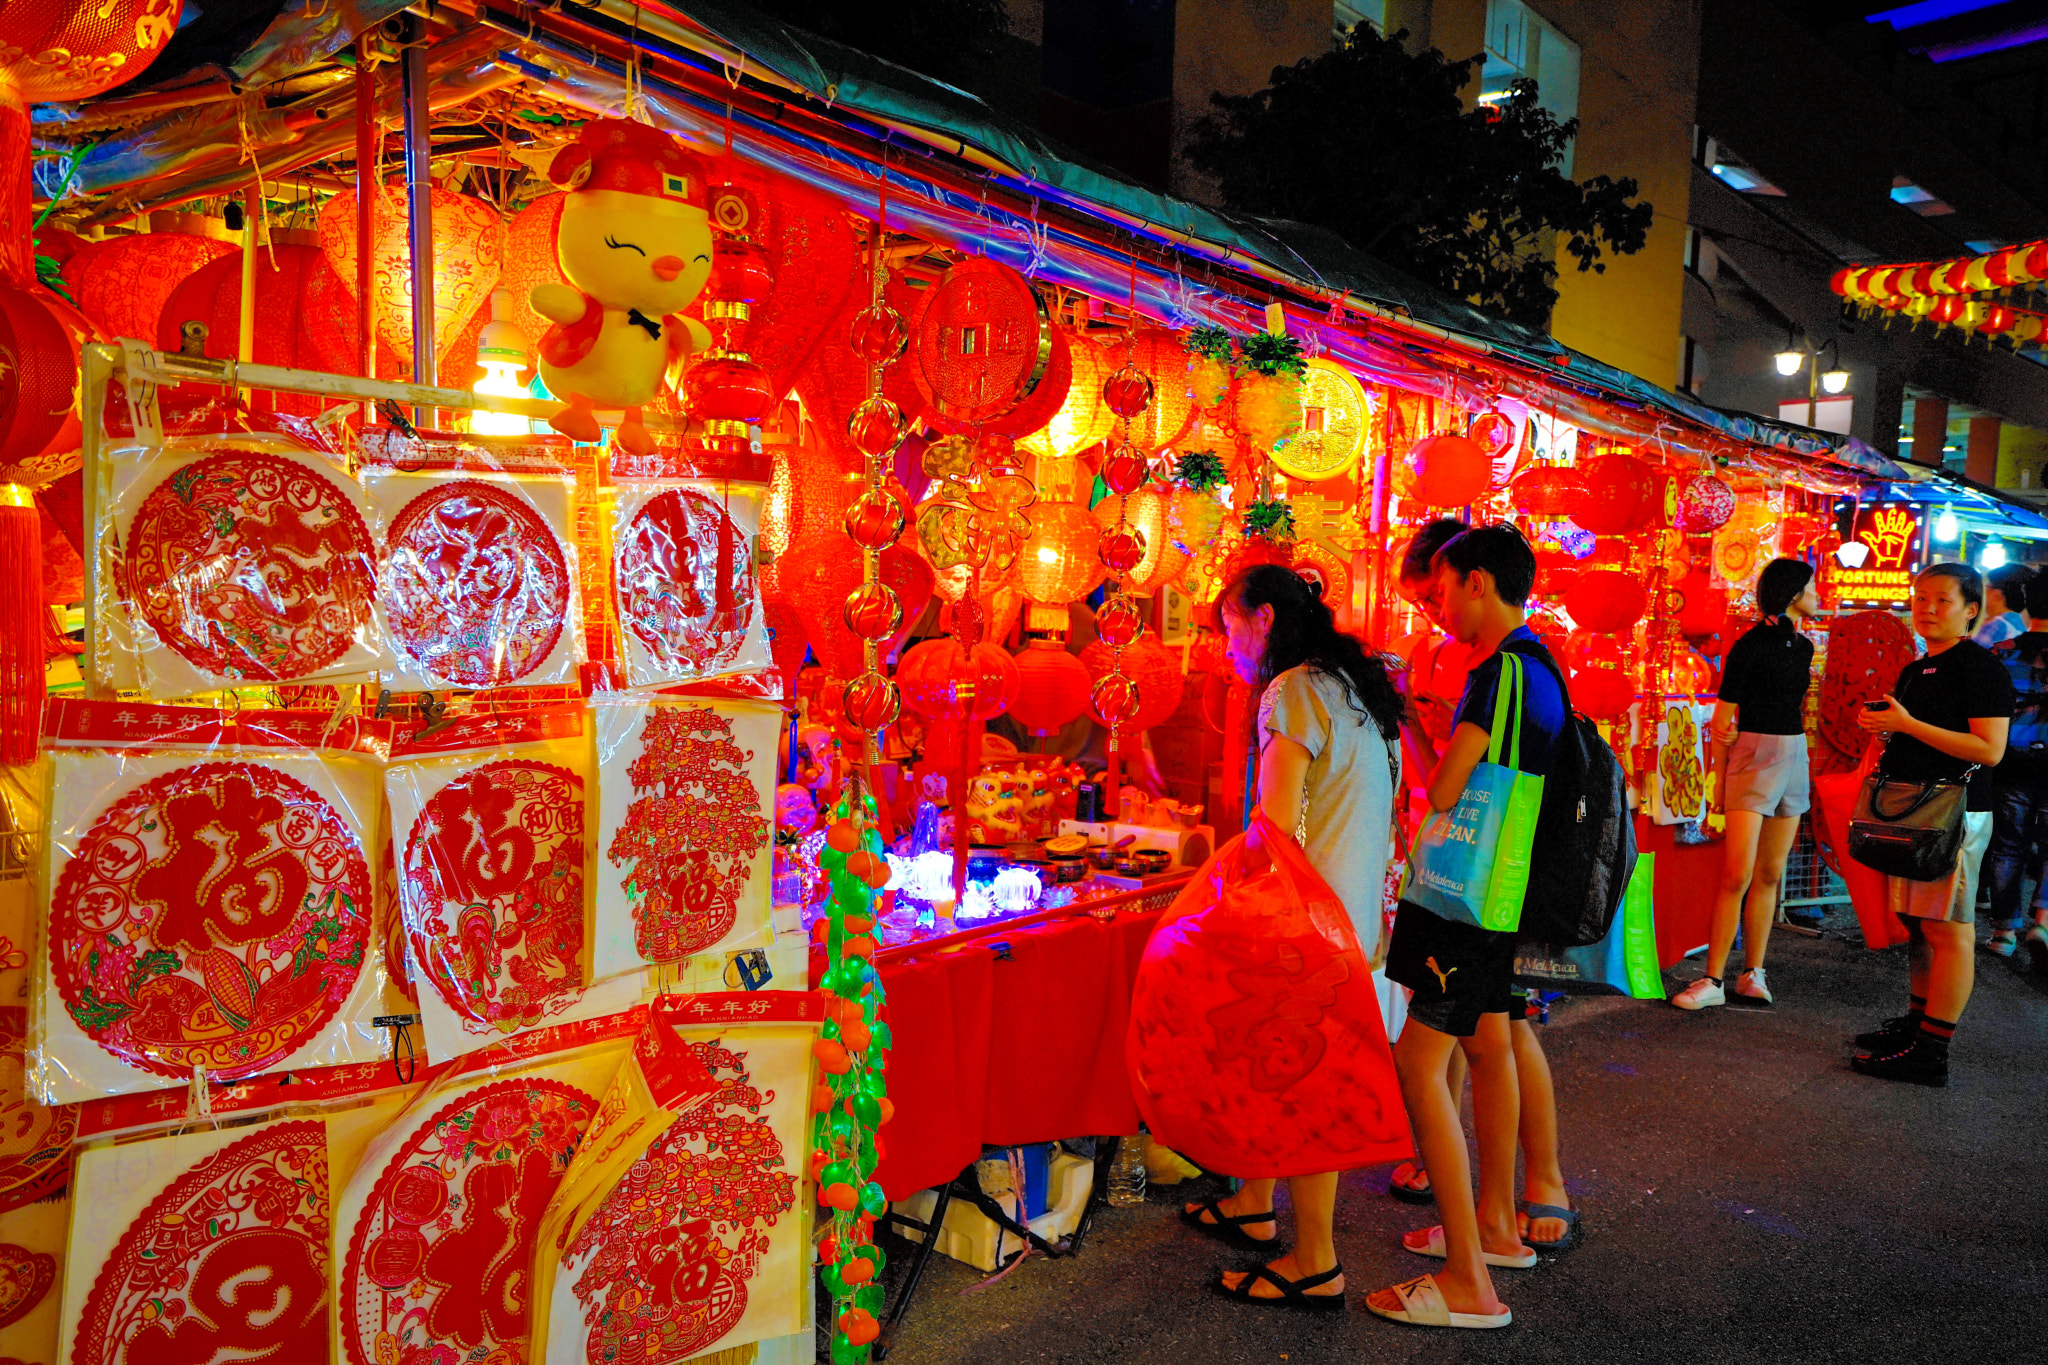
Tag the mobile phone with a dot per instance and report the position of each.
(1877, 706)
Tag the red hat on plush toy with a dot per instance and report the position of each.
(619, 154)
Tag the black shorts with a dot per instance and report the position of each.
(1457, 971)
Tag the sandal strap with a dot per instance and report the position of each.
(1289, 1289)
(1214, 1208)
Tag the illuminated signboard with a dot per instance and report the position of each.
(1894, 536)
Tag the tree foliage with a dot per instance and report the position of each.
(1374, 143)
(953, 40)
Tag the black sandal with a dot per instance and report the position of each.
(1408, 1194)
(1290, 1291)
(1228, 1228)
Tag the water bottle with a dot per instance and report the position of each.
(1127, 1173)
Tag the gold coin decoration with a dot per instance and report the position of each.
(1333, 428)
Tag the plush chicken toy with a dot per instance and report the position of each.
(635, 242)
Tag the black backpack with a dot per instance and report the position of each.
(1585, 846)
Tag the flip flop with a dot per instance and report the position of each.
(1406, 1193)
(1422, 1305)
(1570, 1219)
(1440, 1249)
(1228, 1228)
(1290, 1291)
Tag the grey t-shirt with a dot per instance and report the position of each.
(1350, 792)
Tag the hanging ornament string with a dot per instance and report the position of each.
(1126, 393)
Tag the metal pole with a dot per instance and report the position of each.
(419, 206)
(367, 192)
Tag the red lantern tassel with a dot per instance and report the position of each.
(24, 625)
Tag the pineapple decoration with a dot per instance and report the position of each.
(851, 1101)
(1115, 698)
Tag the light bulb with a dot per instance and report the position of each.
(1788, 362)
(501, 379)
(1834, 381)
(1993, 556)
(1945, 527)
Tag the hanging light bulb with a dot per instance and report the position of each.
(1945, 527)
(1993, 556)
(1788, 362)
(501, 350)
(1834, 381)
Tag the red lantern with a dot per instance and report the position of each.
(1450, 471)
(122, 285)
(932, 673)
(1618, 488)
(1052, 687)
(1060, 560)
(1082, 418)
(530, 261)
(1606, 601)
(1162, 358)
(1705, 503)
(1548, 491)
(1584, 649)
(1602, 693)
(305, 318)
(466, 259)
(1154, 669)
(1703, 607)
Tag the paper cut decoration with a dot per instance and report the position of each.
(32, 1241)
(689, 602)
(35, 1139)
(686, 826)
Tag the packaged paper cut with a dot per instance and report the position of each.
(476, 579)
(686, 831)
(689, 602)
(682, 1225)
(491, 818)
(434, 1232)
(31, 1271)
(210, 899)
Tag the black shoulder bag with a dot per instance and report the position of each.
(1909, 829)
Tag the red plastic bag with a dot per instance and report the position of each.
(1834, 800)
(1255, 1045)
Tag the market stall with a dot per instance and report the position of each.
(648, 605)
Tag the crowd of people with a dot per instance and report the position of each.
(1339, 740)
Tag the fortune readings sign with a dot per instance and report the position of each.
(1894, 534)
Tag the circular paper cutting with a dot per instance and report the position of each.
(252, 566)
(35, 1140)
(215, 916)
(440, 1252)
(476, 585)
(660, 1270)
(25, 1278)
(228, 1263)
(492, 894)
(686, 582)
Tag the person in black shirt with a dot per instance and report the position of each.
(1945, 721)
(1760, 728)
(2019, 788)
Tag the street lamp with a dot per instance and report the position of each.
(1834, 381)
(1789, 362)
(1795, 357)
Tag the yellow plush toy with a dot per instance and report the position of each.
(635, 241)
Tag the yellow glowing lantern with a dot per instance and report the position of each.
(1083, 419)
(1059, 560)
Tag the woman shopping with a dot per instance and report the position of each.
(1328, 720)
(1946, 721)
(1759, 735)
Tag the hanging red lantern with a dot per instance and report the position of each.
(1060, 560)
(1606, 601)
(1602, 693)
(121, 285)
(1151, 668)
(1705, 503)
(1450, 471)
(1617, 491)
(1052, 687)
(1703, 607)
(1161, 357)
(466, 261)
(933, 675)
(1548, 491)
(1584, 648)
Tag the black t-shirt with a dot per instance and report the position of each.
(1766, 676)
(1948, 690)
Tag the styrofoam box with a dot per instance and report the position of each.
(970, 1238)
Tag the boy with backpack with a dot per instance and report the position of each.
(2019, 786)
(1462, 976)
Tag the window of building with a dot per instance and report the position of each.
(1522, 45)
(1351, 13)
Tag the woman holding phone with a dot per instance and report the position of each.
(1759, 735)
(1945, 721)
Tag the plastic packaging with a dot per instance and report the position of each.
(209, 897)
(1256, 1046)
(491, 817)
(477, 578)
(688, 599)
(686, 829)
(682, 1225)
